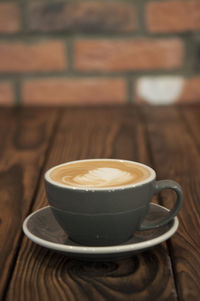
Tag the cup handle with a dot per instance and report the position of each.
(158, 186)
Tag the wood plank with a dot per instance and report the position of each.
(176, 156)
(44, 275)
(191, 117)
(24, 137)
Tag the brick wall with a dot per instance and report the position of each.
(93, 52)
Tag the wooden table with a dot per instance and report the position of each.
(34, 139)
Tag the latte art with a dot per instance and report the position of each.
(99, 173)
(101, 177)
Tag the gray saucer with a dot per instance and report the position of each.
(42, 228)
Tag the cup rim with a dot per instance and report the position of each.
(121, 187)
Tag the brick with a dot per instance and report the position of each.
(173, 16)
(9, 18)
(6, 93)
(55, 91)
(128, 55)
(191, 90)
(87, 16)
(35, 56)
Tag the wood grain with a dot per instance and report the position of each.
(191, 118)
(173, 143)
(40, 274)
(44, 275)
(24, 137)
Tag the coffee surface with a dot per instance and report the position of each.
(99, 174)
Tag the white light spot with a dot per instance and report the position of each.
(160, 90)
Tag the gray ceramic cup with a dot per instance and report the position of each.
(107, 216)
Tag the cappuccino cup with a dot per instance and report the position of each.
(101, 202)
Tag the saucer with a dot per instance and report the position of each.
(42, 228)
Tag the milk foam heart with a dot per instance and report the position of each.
(99, 173)
(101, 177)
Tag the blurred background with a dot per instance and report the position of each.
(99, 52)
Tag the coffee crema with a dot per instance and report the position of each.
(99, 173)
